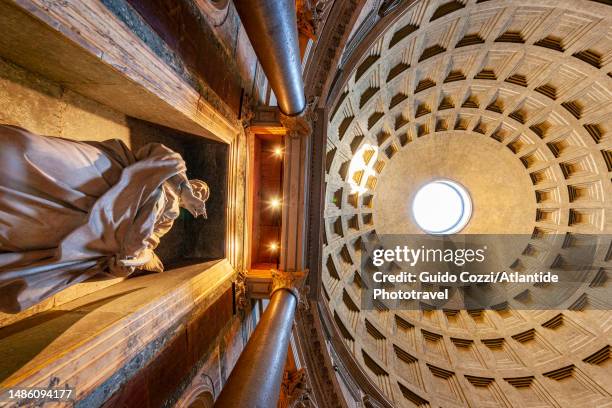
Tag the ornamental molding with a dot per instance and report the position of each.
(291, 281)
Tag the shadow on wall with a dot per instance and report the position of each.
(191, 240)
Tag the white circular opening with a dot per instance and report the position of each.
(442, 207)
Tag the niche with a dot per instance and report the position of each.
(191, 240)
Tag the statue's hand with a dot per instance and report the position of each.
(135, 261)
(118, 269)
(146, 260)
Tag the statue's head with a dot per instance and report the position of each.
(193, 199)
(200, 189)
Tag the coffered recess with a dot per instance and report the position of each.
(534, 78)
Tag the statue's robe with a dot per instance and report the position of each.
(70, 209)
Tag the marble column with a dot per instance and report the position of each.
(256, 378)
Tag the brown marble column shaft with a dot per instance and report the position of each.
(256, 379)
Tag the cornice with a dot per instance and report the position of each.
(378, 29)
(328, 48)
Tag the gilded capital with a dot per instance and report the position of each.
(247, 114)
(300, 125)
(242, 294)
(292, 281)
(295, 392)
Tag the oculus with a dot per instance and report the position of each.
(442, 207)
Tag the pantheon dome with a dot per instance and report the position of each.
(233, 203)
(511, 100)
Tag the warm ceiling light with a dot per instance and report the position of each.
(275, 203)
(278, 152)
(273, 246)
(442, 207)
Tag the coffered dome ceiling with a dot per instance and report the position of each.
(511, 99)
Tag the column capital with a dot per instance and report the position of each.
(242, 292)
(300, 125)
(292, 281)
(247, 113)
(295, 392)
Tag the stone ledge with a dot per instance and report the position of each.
(259, 283)
(67, 295)
(82, 343)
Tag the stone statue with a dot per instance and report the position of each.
(70, 210)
